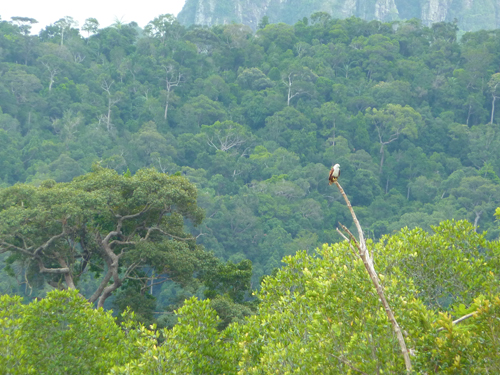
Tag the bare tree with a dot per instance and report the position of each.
(293, 90)
(173, 78)
(226, 135)
(106, 84)
(53, 70)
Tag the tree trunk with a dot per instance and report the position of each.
(108, 122)
(381, 158)
(493, 108)
(112, 262)
(166, 106)
(68, 278)
(476, 220)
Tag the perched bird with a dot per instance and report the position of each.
(334, 174)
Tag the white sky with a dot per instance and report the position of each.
(47, 12)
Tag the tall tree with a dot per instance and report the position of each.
(91, 26)
(494, 86)
(172, 78)
(65, 24)
(392, 122)
(104, 223)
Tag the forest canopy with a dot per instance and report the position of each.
(255, 120)
(110, 138)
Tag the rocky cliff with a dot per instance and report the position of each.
(471, 14)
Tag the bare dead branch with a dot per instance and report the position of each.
(368, 263)
(345, 238)
(460, 319)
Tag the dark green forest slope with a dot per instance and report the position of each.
(246, 127)
(256, 120)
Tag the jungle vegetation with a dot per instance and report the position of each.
(150, 166)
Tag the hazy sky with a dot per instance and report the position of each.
(47, 12)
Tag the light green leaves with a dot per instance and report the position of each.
(57, 334)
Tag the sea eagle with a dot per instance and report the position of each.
(334, 174)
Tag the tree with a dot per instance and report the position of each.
(193, 346)
(150, 142)
(297, 82)
(229, 278)
(53, 65)
(494, 86)
(226, 135)
(91, 26)
(10, 162)
(254, 79)
(25, 25)
(448, 266)
(391, 122)
(200, 111)
(163, 28)
(65, 24)
(173, 78)
(67, 126)
(113, 98)
(58, 334)
(263, 22)
(319, 313)
(280, 125)
(103, 223)
(478, 195)
(23, 85)
(484, 142)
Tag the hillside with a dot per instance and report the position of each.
(255, 121)
(471, 15)
(174, 167)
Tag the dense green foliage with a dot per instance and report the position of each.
(60, 334)
(319, 314)
(254, 121)
(246, 126)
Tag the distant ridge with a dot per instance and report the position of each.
(471, 15)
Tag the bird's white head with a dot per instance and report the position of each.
(336, 170)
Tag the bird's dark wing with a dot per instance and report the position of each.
(330, 177)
